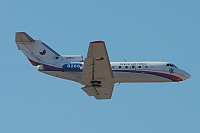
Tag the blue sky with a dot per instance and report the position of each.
(133, 30)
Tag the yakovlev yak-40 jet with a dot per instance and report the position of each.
(95, 72)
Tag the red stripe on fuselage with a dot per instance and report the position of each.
(164, 75)
(47, 66)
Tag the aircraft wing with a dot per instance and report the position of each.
(97, 72)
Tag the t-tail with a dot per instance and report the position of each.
(38, 53)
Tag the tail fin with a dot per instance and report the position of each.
(35, 50)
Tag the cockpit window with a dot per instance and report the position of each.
(171, 65)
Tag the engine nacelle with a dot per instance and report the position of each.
(72, 58)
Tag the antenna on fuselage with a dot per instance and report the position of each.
(125, 60)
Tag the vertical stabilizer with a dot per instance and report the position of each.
(36, 51)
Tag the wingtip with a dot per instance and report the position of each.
(98, 41)
(21, 32)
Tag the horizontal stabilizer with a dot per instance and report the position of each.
(23, 37)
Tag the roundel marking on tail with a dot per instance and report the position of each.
(43, 52)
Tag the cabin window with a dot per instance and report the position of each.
(139, 66)
(113, 66)
(171, 65)
(132, 66)
(146, 66)
(126, 66)
(119, 66)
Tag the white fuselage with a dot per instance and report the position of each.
(96, 72)
(127, 72)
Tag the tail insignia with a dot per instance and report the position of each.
(43, 52)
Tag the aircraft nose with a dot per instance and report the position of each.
(185, 75)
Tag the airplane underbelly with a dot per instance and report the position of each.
(74, 76)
